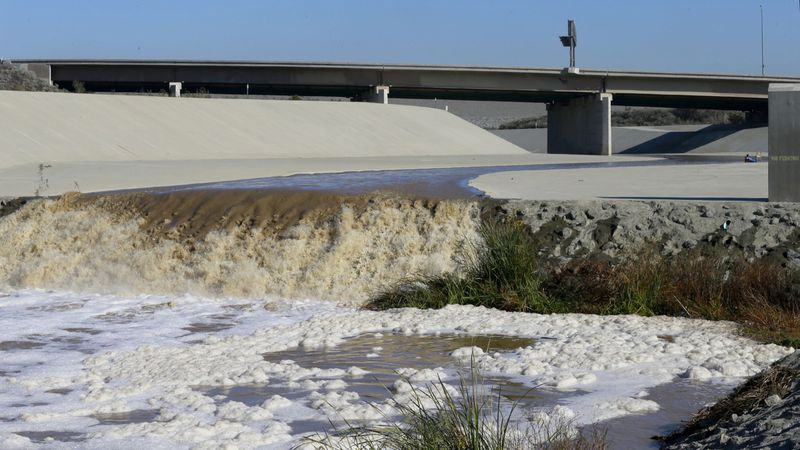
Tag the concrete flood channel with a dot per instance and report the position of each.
(678, 400)
(382, 354)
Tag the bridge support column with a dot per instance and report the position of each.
(580, 126)
(175, 89)
(375, 94)
(784, 143)
(42, 71)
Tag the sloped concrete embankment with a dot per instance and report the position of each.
(56, 142)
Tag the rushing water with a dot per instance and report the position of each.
(437, 183)
(116, 354)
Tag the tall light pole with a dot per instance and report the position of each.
(760, 7)
(571, 41)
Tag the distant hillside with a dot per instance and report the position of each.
(649, 117)
(12, 78)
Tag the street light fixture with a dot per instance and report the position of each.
(571, 41)
(763, 67)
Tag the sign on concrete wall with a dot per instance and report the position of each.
(784, 143)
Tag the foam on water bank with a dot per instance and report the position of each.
(110, 371)
(233, 243)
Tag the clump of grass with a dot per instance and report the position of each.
(503, 272)
(710, 284)
(472, 419)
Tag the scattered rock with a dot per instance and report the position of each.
(773, 400)
(762, 413)
(756, 229)
(9, 205)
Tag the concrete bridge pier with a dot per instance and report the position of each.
(375, 94)
(175, 88)
(580, 125)
(42, 71)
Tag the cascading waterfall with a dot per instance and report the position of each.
(233, 243)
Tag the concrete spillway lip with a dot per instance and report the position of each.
(447, 182)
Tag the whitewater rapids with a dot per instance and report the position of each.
(233, 244)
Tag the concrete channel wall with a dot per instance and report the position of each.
(784, 143)
(48, 128)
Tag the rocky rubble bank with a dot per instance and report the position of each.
(612, 229)
(762, 413)
(10, 204)
(765, 411)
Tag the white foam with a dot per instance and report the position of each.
(111, 354)
(347, 258)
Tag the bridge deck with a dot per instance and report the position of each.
(419, 81)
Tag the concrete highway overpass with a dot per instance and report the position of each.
(579, 102)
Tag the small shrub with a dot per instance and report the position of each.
(78, 87)
(470, 419)
(503, 272)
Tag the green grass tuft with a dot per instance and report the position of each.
(470, 419)
(503, 273)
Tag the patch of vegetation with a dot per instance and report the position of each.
(661, 117)
(707, 282)
(78, 87)
(502, 273)
(469, 419)
(650, 117)
(12, 78)
(702, 283)
(201, 92)
(528, 122)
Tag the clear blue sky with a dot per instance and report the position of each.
(668, 35)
